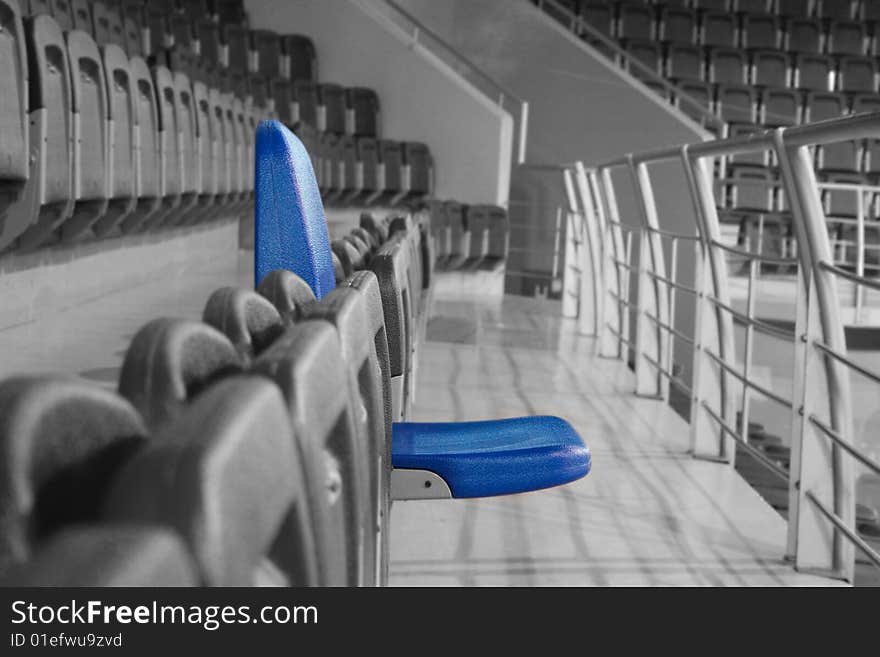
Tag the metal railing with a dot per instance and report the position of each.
(630, 284)
(581, 28)
(422, 35)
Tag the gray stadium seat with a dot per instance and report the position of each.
(847, 37)
(14, 123)
(227, 477)
(306, 363)
(780, 107)
(62, 14)
(761, 31)
(62, 441)
(857, 74)
(728, 66)
(101, 555)
(301, 63)
(684, 62)
(48, 196)
(356, 312)
(249, 320)
(635, 21)
(417, 157)
(813, 72)
(332, 103)
(81, 11)
(719, 29)
(169, 362)
(267, 46)
(803, 35)
(678, 25)
(362, 117)
(306, 95)
(290, 294)
(770, 68)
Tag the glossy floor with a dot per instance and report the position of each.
(648, 514)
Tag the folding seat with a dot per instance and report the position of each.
(99, 555)
(599, 15)
(352, 169)
(703, 93)
(770, 68)
(348, 255)
(14, 122)
(63, 440)
(266, 44)
(369, 165)
(156, 22)
(377, 228)
(221, 139)
(331, 99)
(362, 112)
(712, 5)
(498, 239)
(182, 32)
(780, 107)
(239, 169)
(862, 103)
(761, 31)
(333, 180)
(684, 62)
(417, 158)
(814, 72)
(169, 362)
(719, 29)
(230, 11)
(228, 477)
(391, 176)
(207, 139)
(635, 21)
(116, 25)
(649, 53)
(62, 14)
(193, 175)
(728, 66)
(151, 211)
(842, 204)
(737, 103)
(841, 10)
(847, 38)
(803, 35)
(249, 320)
(238, 55)
(288, 293)
(301, 62)
(148, 153)
(857, 74)
(307, 364)
(677, 25)
(210, 48)
(869, 10)
(751, 6)
(794, 8)
(838, 157)
(91, 166)
(195, 9)
(306, 94)
(459, 237)
(122, 115)
(81, 12)
(477, 220)
(258, 88)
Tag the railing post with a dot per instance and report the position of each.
(572, 274)
(651, 294)
(591, 276)
(823, 470)
(614, 315)
(713, 327)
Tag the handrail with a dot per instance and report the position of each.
(578, 26)
(823, 450)
(502, 95)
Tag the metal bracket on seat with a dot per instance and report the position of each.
(409, 484)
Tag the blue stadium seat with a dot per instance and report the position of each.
(520, 454)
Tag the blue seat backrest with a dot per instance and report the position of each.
(290, 231)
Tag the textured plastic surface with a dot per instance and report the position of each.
(495, 457)
(290, 228)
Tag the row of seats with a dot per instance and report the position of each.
(250, 448)
(726, 29)
(469, 237)
(96, 142)
(762, 68)
(840, 9)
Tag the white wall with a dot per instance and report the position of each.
(422, 99)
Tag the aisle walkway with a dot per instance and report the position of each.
(647, 514)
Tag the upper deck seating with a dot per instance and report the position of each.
(301, 58)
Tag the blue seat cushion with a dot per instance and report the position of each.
(290, 230)
(495, 457)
